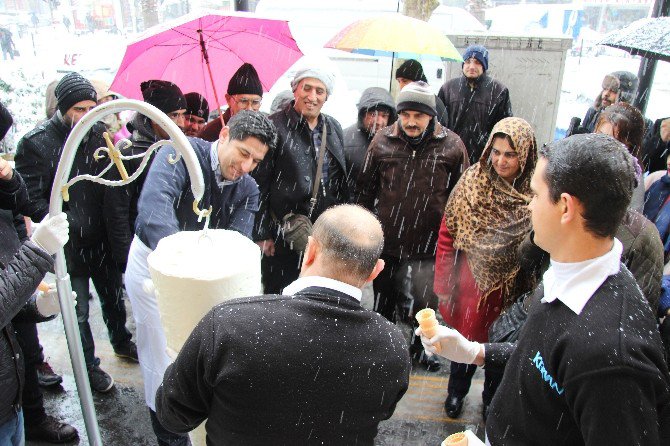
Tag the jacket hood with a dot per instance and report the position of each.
(373, 97)
(140, 129)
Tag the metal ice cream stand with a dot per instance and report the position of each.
(114, 154)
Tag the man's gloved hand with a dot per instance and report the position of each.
(47, 301)
(453, 345)
(52, 233)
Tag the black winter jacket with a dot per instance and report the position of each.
(13, 196)
(120, 203)
(474, 112)
(37, 157)
(654, 149)
(285, 177)
(19, 276)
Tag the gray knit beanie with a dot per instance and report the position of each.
(316, 73)
(417, 97)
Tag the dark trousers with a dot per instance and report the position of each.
(33, 401)
(461, 378)
(96, 264)
(404, 287)
(280, 269)
(164, 436)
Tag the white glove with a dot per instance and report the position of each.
(47, 302)
(453, 345)
(52, 233)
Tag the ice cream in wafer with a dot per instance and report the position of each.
(457, 439)
(428, 324)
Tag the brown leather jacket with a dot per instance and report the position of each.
(411, 185)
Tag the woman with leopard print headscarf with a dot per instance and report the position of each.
(477, 267)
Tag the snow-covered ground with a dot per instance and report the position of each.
(46, 55)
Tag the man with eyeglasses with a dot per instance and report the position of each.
(245, 92)
(120, 205)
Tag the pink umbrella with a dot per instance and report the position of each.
(201, 53)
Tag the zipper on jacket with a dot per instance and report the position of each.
(413, 153)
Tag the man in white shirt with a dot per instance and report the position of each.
(308, 367)
(588, 367)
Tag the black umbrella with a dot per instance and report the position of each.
(649, 38)
(645, 37)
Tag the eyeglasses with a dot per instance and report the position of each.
(244, 102)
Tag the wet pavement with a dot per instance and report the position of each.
(419, 418)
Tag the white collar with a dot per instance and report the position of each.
(574, 283)
(322, 282)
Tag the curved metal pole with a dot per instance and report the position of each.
(61, 183)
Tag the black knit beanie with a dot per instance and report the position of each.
(197, 105)
(73, 88)
(245, 81)
(411, 69)
(163, 95)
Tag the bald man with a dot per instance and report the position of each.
(322, 367)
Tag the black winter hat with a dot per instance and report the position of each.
(197, 105)
(245, 81)
(6, 121)
(73, 88)
(164, 95)
(411, 69)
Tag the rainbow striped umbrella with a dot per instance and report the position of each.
(395, 35)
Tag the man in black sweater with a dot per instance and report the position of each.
(588, 367)
(308, 367)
